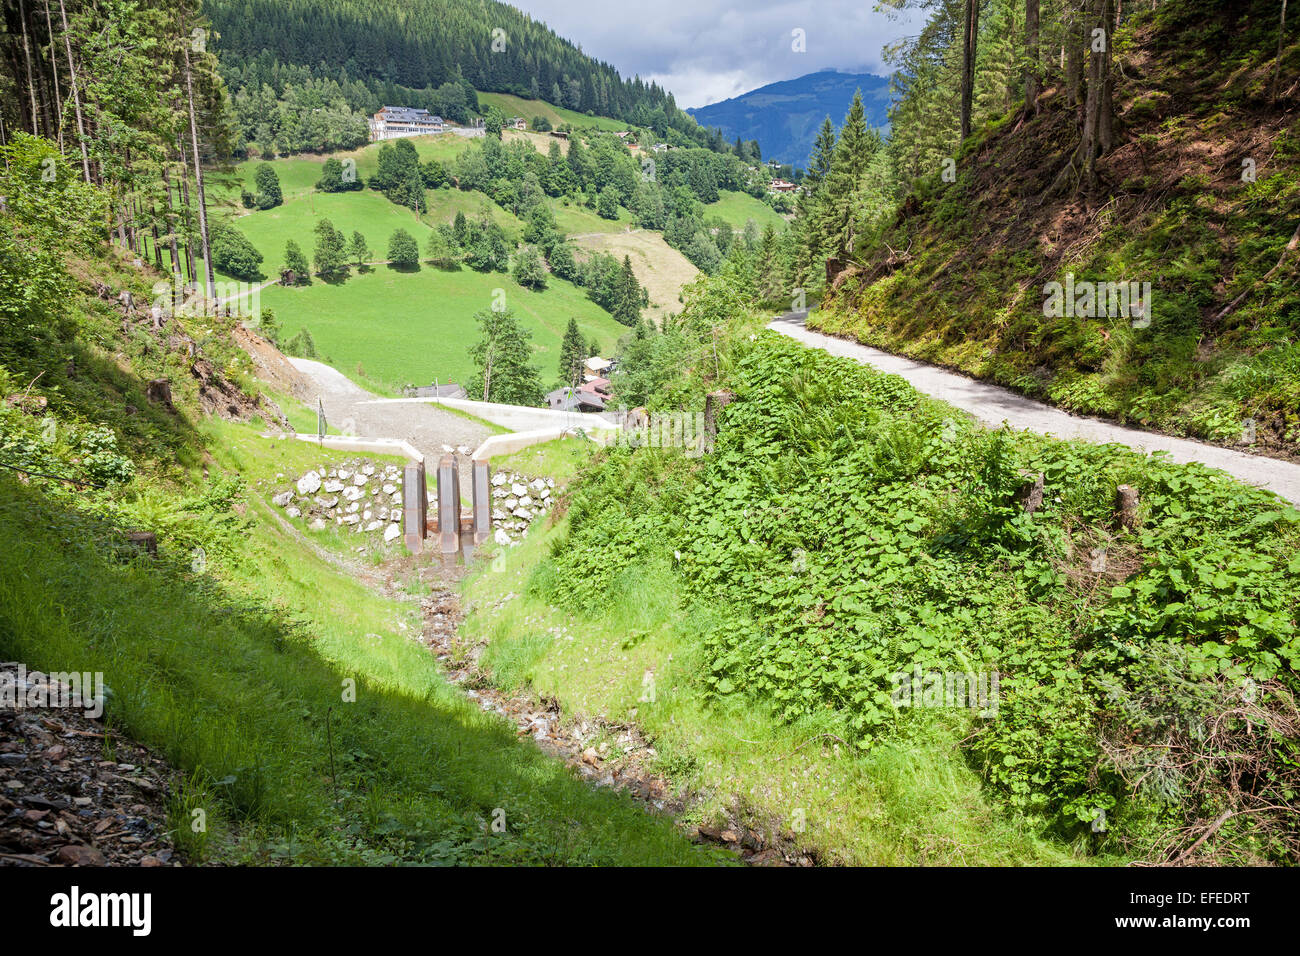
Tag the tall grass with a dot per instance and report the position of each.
(246, 697)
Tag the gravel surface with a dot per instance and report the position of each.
(993, 405)
(354, 411)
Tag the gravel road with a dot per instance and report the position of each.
(993, 405)
(354, 411)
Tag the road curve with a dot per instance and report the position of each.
(993, 405)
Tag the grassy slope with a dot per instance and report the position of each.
(512, 105)
(232, 666)
(298, 174)
(369, 318)
(245, 701)
(738, 208)
(412, 327)
(914, 553)
(658, 266)
(560, 459)
(364, 319)
(1192, 103)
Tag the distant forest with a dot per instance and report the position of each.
(304, 74)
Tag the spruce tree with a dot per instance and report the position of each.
(627, 295)
(571, 354)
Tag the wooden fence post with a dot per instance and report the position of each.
(1126, 504)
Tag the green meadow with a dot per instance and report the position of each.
(737, 208)
(512, 105)
(298, 174)
(404, 327)
(365, 211)
(390, 327)
(386, 327)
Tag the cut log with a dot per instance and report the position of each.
(1126, 506)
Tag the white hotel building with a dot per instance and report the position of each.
(395, 122)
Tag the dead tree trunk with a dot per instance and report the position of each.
(54, 70)
(198, 176)
(31, 72)
(185, 199)
(76, 94)
(171, 223)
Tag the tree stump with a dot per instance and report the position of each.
(146, 542)
(1030, 495)
(714, 402)
(159, 392)
(1126, 506)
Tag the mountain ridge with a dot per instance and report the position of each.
(785, 116)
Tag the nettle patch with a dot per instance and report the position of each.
(870, 555)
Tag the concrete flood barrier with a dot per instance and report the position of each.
(457, 532)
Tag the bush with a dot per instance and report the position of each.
(529, 271)
(335, 177)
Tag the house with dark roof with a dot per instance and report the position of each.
(580, 399)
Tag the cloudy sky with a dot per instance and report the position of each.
(703, 51)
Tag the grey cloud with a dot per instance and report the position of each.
(703, 51)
